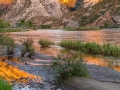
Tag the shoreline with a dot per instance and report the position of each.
(97, 73)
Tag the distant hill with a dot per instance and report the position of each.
(106, 12)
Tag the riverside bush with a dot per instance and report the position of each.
(4, 24)
(6, 41)
(70, 65)
(9, 43)
(92, 48)
(28, 47)
(45, 26)
(45, 43)
(4, 85)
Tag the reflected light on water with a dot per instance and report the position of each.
(12, 73)
(101, 62)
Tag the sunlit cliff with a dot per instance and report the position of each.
(69, 3)
(6, 1)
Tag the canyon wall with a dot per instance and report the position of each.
(39, 11)
(27, 9)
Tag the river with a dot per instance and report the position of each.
(111, 36)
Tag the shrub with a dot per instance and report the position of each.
(45, 26)
(70, 65)
(4, 24)
(9, 43)
(6, 41)
(72, 45)
(45, 43)
(4, 85)
(110, 50)
(92, 48)
(25, 24)
(28, 47)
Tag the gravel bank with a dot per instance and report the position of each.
(40, 66)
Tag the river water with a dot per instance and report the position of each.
(101, 36)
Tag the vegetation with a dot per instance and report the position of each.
(6, 41)
(92, 48)
(83, 29)
(24, 24)
(110, 26)
(2, 30)
(4, 24)
(4, 85)
(28, 47)
(45, 26)
(9, 43)
(45, 43)
(70, 65)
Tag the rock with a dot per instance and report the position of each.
(72, 24)
(89, 84)
(117, 19)
(22, 9)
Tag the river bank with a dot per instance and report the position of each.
(40, 66)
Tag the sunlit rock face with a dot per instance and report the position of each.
(32, 9)
(6, 1)
(69, 3)
(27, 9)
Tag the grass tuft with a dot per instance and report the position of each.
(4, 85)
(28, 47)
(45, 43)
(92, 48)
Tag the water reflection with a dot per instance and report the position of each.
(14, 74)
(101, 36)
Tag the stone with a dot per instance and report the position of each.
(22, 9)
(72, 24)
(117, 19)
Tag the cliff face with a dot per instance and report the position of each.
(28, 9)
(106, 12)
(38, 11)
(3, 8)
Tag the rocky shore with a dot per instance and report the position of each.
(40, 65)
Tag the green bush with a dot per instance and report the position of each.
(28, 46)
(70, 44)
(83, 29)
(45, 43)
(3, 30)
(45, 26)
(92, 48)
(4, 85)
(6, 41)
(110, 50)
(70, 65)
(4, 24)
(23, 23)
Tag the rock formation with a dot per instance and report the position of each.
(28, 9)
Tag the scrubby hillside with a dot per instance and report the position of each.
(106, 12)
